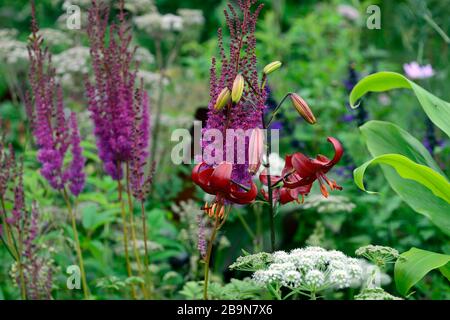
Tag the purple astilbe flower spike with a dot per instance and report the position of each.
(247, 114)
(112, 93)
(201, 241)
(51, 129)
(140, 184)
(75, 172)
(7, 165)
(19, 201)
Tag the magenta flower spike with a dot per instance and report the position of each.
(113, 96)
(54, 134)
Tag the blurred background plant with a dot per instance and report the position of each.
(325, 48)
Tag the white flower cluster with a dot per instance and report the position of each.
(329, 205)
(154, 22)
(54, 37)
(191, 17)
(139, 6)
(142, 55)
(71, 64)
(375, 294)
(151, 79)
(8, 33)
(12, 51)
(311, 269)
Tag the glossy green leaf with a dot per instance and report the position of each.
(386, 138)
(408, 169)
(437, 109)
(414, 264)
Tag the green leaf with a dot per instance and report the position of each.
(414, 264)
(408, 169)
(386, 138)
(436, 109)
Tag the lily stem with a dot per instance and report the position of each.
(77, 244)
(208, 258)
(270, 188)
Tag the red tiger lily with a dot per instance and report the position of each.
(217, 181)
(302, 170)
(282, 194)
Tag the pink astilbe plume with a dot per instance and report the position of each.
(140, 183)
(53, 133)
(241, 59)
(112, 95)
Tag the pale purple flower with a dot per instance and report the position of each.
(415, 71)
(349, 12)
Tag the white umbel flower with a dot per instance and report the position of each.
(314, 279)
(292, 279)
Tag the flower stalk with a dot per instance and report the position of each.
(77, 244)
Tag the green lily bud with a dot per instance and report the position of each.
(223, 99)
(272, 67)
(238, 88)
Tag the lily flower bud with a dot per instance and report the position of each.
(302, 108)
(272, 67)
(255, 150)
(223, 99)
(238, 88)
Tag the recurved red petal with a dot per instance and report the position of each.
(201, 176)
(338, 150)
(220, 179)
(264, 178)
(303, 165)
(243, 197)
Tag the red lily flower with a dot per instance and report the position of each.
(302, 170)
(282, 194)
(217, 181)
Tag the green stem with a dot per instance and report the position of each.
(146, 257)
(77, 245)
(275, 111)
(208, 258)
(270, 188)
(133, 230)
(246, 226)
(125, 236)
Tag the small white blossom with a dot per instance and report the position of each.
(292, 279)
(329, 205)
(54, 37)
(144, 56)
(280, 256)
(171, 22)
(282, 267)
(314, 279)
(191, 17)
(13, 52)
(266, 276)
(340, 279)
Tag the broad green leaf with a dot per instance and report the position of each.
(386, 138)
(436, 109)
(414, 264)
(409, 170)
